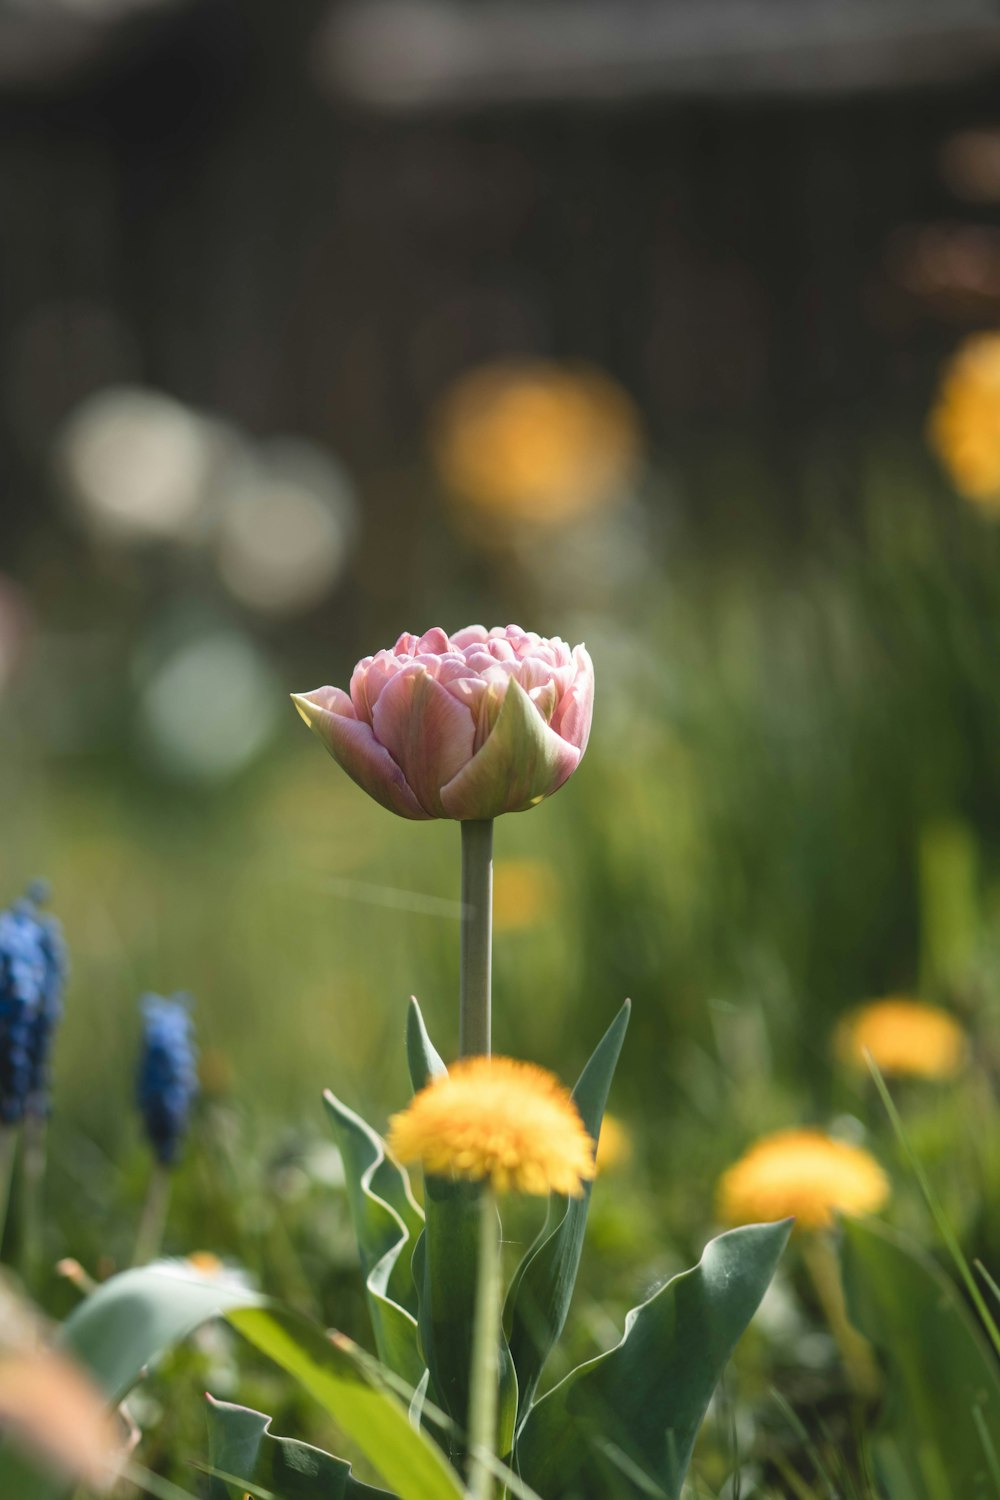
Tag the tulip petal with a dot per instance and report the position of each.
(426, 730)
(329, 713)
(575, 710)
(522, 761)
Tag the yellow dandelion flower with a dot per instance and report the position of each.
(525, 894)
(904, 1037)
(530, 441)
(614, 1147)
(964, 427)
(493, 1119)
(206, 1263)
(803, 1174)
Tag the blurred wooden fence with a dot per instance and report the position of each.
(194, 212)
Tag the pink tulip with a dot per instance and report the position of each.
(464, 726)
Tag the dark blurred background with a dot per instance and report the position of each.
(318, 323)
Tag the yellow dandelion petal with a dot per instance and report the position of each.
(530, 441)
(525, 894)
(614, 1146)
(964, 426)
(803, 1174)
(206, 1263)
(493, 1119)
(904, 1037)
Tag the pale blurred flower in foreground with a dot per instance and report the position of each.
(903, 1036)
(532, 442)
(48, 1406)
(964, 427)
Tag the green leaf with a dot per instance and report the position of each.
(940, 1371)
(386, 1222)
(345, 1381)
(240, 1443)
(645, 1399)
(422, 1056)
(539, 1296)
(445, 1265)
(19, 1476)
(132, 1319)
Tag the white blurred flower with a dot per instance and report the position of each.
(139, 465)
(209, 706)
(286, 530)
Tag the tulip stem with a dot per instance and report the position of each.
(477, 936)
(483, 1400)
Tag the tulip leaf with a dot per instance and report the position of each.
(132, 1320)
(422, 1056)
(540, 1293)
(445, 1267)
(943, 1383)
(348, 1383)
(386, 1222)
(241, 1444)
(624, 1424)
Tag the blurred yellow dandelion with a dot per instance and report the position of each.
(529, 441)
(903, 1036)
(803, 1174)
(964, 427)
(614, 1146)
(525, 893)
(206, 1263)
(494, 1119)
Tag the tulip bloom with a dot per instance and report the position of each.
(465, 726)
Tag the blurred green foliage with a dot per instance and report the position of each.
(791, 803)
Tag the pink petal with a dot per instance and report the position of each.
(329, 712)
(573, 716)
(470, 636)
(426, 730)
(434, 640)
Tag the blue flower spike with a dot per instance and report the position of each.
(167, 1080)
(32, 975)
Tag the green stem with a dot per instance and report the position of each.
(153, 1220)
(477, 937)
(8, 1151)
(855, 1350)
(485, 1381)
(33, 1161)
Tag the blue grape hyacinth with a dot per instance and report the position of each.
(32, 970)
(167, 1078)
(50, 1009)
